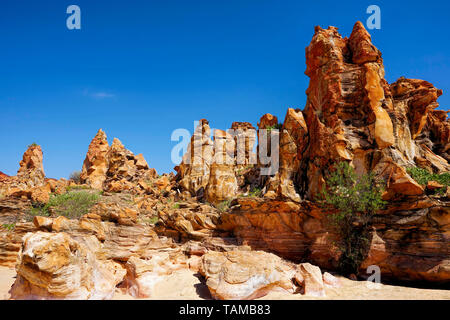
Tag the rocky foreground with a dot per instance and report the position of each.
(123, 230)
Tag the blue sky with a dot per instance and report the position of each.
(140, 69)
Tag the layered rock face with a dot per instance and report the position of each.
(114, 168)
(352, 114)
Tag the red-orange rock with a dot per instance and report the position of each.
(95, 165)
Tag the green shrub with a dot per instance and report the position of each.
(34, 144)
(277, 126)
(176, 205)
(9, 226)
(422, 177)
(224, 206)
(151, 220)
(355, 200)
(72, 204)
(75, 177)
(255, 192)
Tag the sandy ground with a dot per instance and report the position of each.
(185, 285)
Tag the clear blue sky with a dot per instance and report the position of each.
(140, 69)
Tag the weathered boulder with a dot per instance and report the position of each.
(309, 277)
(241, 275)
(55, 266)
(143, 274)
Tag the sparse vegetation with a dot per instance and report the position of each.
(355, 200)
(72, 204)
(422, 177)
(75, 177)
(254, 192)
(176, 205)
(34, 144)
(9, 226)
(151, 220)
(277, 126)
(224, 206)
(239, 171)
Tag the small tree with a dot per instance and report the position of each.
(355, 199)
(75, 177)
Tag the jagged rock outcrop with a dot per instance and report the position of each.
(222, 183)
(209, 169)
(95, 164)
(30, 181)
(352, 114)
(114, 168)
(31, 171)
(194, 169)
(293, 143)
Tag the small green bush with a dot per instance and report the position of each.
(151, 220)
(9, 226)
(355, 200)
(224, 206)
(34, 144)
(422, 177)
(277, 126)
(72, 204)
(176, 205)
(253, 193)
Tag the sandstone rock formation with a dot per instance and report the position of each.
(222, 183)
(194, 170)
(55, 266)
(30, 181)
(215, 170)
(114, 168)
(96, 164)
(220, 207)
